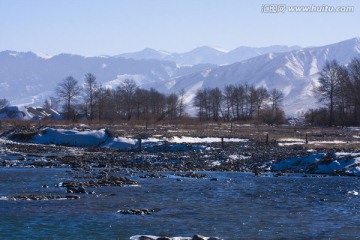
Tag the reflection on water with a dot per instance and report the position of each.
(237, 206)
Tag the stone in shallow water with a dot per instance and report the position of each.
(198, 237)
(146, 238)
(195, 237)
(137, 211)
(38, 197)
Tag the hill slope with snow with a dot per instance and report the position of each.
(295, 73)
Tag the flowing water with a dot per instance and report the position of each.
(237, 206)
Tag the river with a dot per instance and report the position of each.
(236, 206)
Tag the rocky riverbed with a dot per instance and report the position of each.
(243, 156)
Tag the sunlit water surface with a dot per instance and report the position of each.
(237, 206)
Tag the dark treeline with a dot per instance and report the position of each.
(240, 102)
(127, 101)
(339, 91)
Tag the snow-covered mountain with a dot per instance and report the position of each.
(27, 78)
(295, 73)
(207, 54)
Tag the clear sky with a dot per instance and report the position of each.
(110, 27)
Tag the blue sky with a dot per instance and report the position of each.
(96, 27)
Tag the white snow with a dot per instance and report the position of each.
(353, 192)
(185, 139)
(343, 162)
(215, 163)
(120, 143)
(99, 138)
(296, 141)
(326, 142)
(15, 112)
(71, 137)
(43, 55)
(137, 78)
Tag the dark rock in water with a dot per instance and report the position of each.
(37, 197)
(146, 238)
(214, 179)
(152, 175)
(198, 237)
(195, 237)
(76, 190)
(79, 187)
(72, 196)
(192, 175)
(6, 163)
(22, 136)
(137, 211)
(279, 174)
(45, 186)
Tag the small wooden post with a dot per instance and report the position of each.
(222, 143)
(267, 139)
(139, 141)
(306, 139)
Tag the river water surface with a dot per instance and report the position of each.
(237, 206)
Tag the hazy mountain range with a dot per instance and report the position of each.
(29, 78)
(207, 54)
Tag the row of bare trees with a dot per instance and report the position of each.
(240, 102)
(339, 91)
(127, 101)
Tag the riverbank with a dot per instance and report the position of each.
(85, 150)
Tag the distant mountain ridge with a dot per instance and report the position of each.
(28, 78)
(205, 54)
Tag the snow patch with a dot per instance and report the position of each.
(71, 137)
(203, 140)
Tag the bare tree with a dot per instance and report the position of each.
(261, 95)
(276, 98)
(215, 99)
(68, 90)
(181, 102)
(125, 98)
(330, 80)
(4, 102)
(200, 103)
(228, 99)
(354, 87)
(172, 105)
(90, 89)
